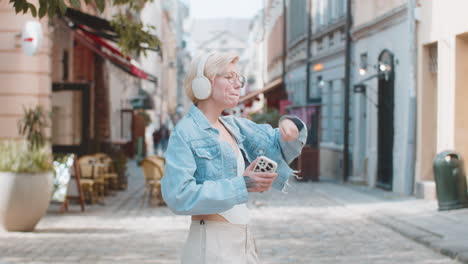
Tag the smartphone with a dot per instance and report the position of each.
(265, 164)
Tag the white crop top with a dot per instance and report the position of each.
(239, 214)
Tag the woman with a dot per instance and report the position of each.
(206, 174)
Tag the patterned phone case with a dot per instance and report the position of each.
(265, 164)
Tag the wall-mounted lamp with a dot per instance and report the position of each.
(383, 67)
(318, 67)
(320, 82)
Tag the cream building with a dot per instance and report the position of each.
(71, 76)
(254, 70)
(442, 86)
(25, 80)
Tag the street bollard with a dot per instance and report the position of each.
(450, 181)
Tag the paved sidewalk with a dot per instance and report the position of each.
(315, 223)
(444, 231)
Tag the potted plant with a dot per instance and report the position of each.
(26, 174)
(120, 165)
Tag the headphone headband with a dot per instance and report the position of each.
(201, 64)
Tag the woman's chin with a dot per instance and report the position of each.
(233, 103)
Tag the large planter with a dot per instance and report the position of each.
(24, 199)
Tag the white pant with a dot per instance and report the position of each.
(211, 242)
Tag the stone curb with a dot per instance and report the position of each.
(453, 249)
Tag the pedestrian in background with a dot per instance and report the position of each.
(164, 137)
(156, 140)
(210, 160)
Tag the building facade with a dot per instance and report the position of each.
(170, 102)
(442, 95)
(328, 81)
(384, 99)
(79, 76)
(183, 58)
(274, 24)
(254, 70)
(26, 80)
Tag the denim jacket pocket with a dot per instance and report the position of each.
(208, 158)
(210, 152)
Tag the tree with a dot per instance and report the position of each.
(134, 36)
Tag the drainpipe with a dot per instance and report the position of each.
(264, 45)
(346, 118)
(284, 43)
(411, 142)
(309, 34)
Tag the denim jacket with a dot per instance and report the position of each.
(200, 176)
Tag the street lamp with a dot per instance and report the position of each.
(385, 65)
(384, 69)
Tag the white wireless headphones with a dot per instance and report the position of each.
(201, 86)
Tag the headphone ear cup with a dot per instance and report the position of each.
(201, 87)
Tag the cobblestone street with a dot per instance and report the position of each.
(314, 223)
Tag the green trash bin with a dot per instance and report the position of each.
(450, 181)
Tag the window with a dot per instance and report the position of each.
(330, 14)
(325, 109)
(339, 114)
(321, 12)
(297, 18)
(343, 35)
(319, 44)
(331, 111)
(126, 117)
(341, 8)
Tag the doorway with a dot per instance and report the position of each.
(385, 115)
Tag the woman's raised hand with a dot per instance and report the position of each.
(288, 130)
(258, 181)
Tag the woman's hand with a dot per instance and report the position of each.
(288, 130)
(258, 181)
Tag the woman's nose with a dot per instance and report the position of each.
(238, 84)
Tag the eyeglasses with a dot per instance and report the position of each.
(232, 77)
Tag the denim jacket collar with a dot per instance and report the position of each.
(239, 137)
(199, 118)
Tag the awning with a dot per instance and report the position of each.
(267, 88)
(96, 26)
(112, 54)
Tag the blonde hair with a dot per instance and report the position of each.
(215, 64)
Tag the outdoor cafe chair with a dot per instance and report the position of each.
(109, 173)
(91, 170)
(153, 171)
